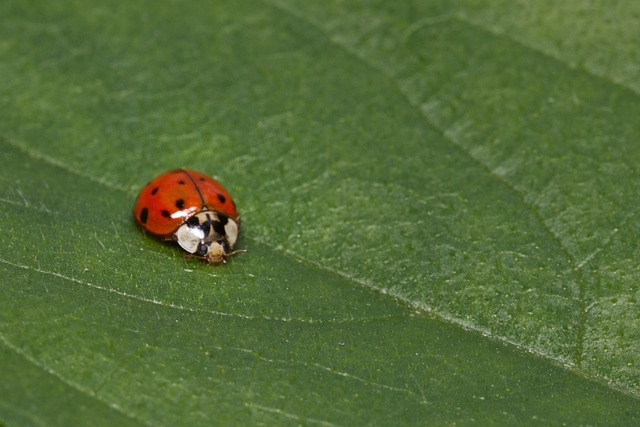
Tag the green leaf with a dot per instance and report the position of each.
(439, 203)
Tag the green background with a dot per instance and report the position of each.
(439, 201)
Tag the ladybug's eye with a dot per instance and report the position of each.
(203, 248)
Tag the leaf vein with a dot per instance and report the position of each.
(463, 18)
(564, 251)
(37, 155)
(181, 307)
(67, 381)
(288, 414)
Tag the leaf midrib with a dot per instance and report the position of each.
(519, 195)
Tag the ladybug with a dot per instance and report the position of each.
(193, 209)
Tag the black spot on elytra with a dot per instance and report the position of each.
(181, 182)
(202, 179)
(144, 215)
(154, 191)
(180, 203)
(165, 214)
(221, 198)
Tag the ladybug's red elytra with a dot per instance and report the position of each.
(193, 209)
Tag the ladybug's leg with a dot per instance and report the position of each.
(187, 255)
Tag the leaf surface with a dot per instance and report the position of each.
(438, 200)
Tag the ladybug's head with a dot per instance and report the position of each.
(209, 236)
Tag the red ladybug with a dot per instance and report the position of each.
(193, 209)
